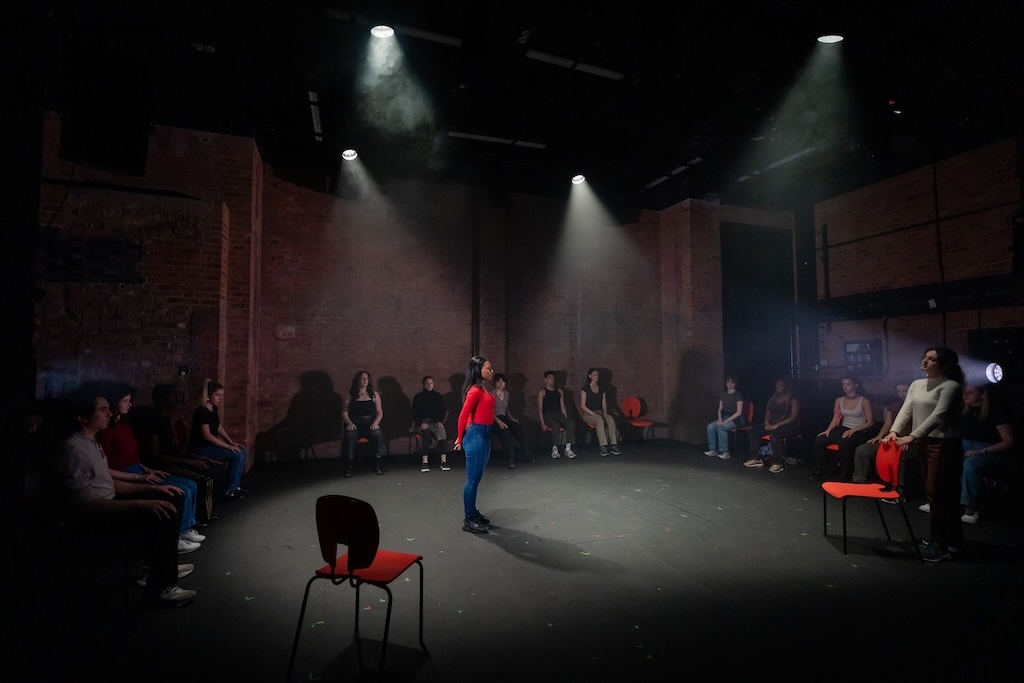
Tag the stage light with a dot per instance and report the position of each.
(830, 38)
(349, 154)
(579, 178)
(994, 373)
(382, 31)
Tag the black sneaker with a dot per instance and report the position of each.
(474, 527)
(377, 469)
(935, 553)
(604, 451)
(481, 518)
(615, 449)
(231, 496)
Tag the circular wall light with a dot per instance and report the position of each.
(994, 373)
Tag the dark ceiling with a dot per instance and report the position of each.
(698, 94)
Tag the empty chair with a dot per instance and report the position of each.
(631, 414)
(342, 520)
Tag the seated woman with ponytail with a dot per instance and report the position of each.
(208, 439)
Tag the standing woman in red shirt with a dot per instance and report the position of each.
(474, 438)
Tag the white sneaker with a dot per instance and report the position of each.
(927, 507)
(555, 453)
(970, 518)
(569, 453)
(194, 536)
(724, 455)
(187, 546)
(176, 595)
(183, 571)
(711, 453)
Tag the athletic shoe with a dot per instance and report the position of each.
(183, 571)
(482, 518)
(474, 527)
(194, 536)
(187, 546)
(776, 468)
(724, 455)
(893, 501)
(754, 462)
(445, 467)
(569, 453)
(935, 553)
(970, 518)
(424, 467)
(711, 453)
(615, 449)
(927, 507)
(555, 453)
(176, 596)
(233, 496)
(604, 451)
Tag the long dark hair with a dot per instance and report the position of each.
(114, 392)
(353, 391)
(473, 375)
(950, 363)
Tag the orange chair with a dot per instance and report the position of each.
(342, 520)
(734, 434)
(887, 464)
(631, 414)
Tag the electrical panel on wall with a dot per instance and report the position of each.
(864, 358)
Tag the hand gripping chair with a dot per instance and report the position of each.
(341, 520)
(887, 463)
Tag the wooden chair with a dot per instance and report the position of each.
(342, 520)
(631, 408)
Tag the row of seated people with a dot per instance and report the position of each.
(119, 469)
(984, 426)
(319, 414)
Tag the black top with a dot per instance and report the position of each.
(201, 417)
(362, 412)
(428, 406)
(552, 400)
(594, 397)
(973, 428)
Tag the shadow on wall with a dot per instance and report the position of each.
(397, 407)
(453, 403)
(314, 416)
(695, 399)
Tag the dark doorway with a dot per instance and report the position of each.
(757, 307)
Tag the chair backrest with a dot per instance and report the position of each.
(631, 406)
(748, 412)
(180, 431)
(887, 462)
(342, 520)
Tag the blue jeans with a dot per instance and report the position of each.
(188, 503)
(235, 461)
(974, 467)
(718, 435)
(476, 444)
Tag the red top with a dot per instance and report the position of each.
(119, 445)
(478, 408)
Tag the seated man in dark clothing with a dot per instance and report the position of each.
(154, 430)
(428, 416)
(99, 499)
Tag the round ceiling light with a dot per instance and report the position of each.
(349, 154)
(578, 178)
(382, 31)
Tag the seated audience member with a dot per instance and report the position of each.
(314, 416)
(428, 416)
(122, 451)
(154, 432)
(987, 440)
(506, 426)
(361, 415)
(730, 416)
(852, 417)
(864, 455)
(100, 499)
(594, 409)
(209, 439)
(781, 421)
(552, 415)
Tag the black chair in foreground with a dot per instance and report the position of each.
(342, 520)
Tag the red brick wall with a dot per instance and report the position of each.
(897, 245)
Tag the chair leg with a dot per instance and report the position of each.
(844, 526)
(298, 629)
(387, 629)
(423, 645)
(824, 512)
(910, 530)
(878, 506)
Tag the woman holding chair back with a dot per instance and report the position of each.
(933, 408)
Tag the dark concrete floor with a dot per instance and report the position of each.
(658, 564)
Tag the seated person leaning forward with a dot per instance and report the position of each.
(852, 417)
(428, 416)
(152, 510)
(362, 414)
